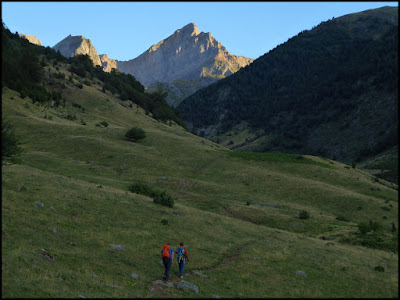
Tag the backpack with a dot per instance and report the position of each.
(165, 251)
(180, 254)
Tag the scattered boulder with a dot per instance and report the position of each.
(94, 275)
(55, 230)
(201, 274)
(162, 283)
(215, 296)
(46, 254)
(256, 258)
(134, 275)
(186, 285)
(38, 203)
(118, 247)
(179, 213)
(301, 273)
(51, 207)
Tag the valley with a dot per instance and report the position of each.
(256, 225)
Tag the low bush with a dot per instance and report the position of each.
(379, 269)
(342, 218)
(164, 198)
(367, 227)
(143, 189)
(304, 214)
(135, 133)
(71, 117)
(10, 145)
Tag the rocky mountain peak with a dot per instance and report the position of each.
(187, 54)
(190, 29)
(75, 45)
(31, 38)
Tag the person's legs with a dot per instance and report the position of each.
(181, 267)
(167, 268)
(167, 265)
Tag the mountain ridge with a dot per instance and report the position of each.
(186, 54)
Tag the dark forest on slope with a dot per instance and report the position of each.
(330, 91)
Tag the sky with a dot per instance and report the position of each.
(124, 30)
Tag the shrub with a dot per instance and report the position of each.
(135, 133)
(342, 218)
(248, 203)
(375, 226)
(304, 214)
(364, 228)
(10, 148)
(164, 198)
(104, 123)
(164, 221)
(371, 226)
(142, 189)
(379, 269)
(71, 117)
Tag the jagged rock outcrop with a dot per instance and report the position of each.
(31, 38)
(75, 45)
(107, 63)
(187, 54)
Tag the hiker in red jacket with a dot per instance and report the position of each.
(167, 255)
(182, 256)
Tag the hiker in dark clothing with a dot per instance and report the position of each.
(182, 256)
(167, 255)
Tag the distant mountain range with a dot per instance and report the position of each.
(182, 63)
(331, 91)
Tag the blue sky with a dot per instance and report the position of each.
(124, 30)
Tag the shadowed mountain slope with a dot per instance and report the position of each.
(330, 91)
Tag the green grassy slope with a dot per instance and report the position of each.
(253, 250)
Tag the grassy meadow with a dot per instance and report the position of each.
(237, 212)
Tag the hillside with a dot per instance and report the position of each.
(339, 77)
(67, 208)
